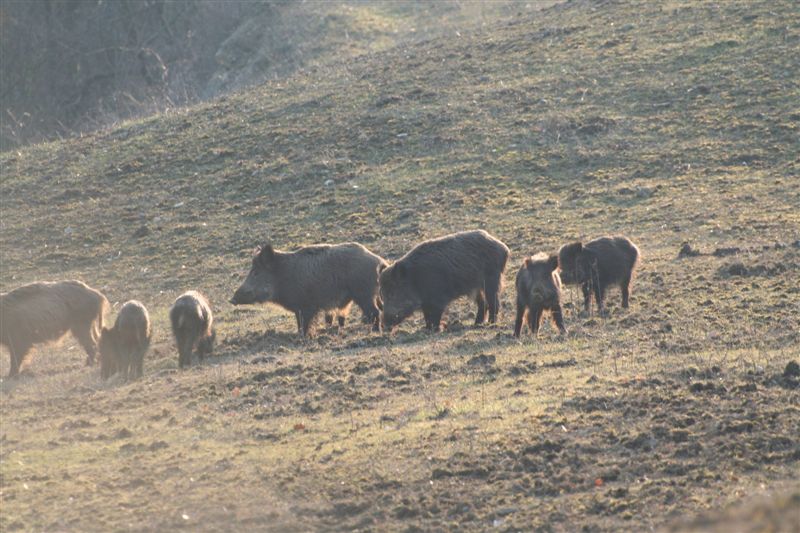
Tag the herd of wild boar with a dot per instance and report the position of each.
(325, 279)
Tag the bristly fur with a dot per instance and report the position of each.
(44, 312)
(437, 271)
(538, 290)
(597, 264)
(193, 327)
(123, 347)
(323, 277)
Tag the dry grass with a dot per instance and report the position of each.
(676, 123)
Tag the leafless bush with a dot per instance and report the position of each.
(73, 65)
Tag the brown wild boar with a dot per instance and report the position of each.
(122, 348)
(539, 290)
(437, 271)
(192, 326)
(596, 265)
(322, 277)
(45, 311)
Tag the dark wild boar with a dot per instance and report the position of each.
(192, 326)
(44, 312)
(122, 348)
(539, 290)
(316, 278)
(596, 265)
(437, 271)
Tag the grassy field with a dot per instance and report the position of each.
(669, 122)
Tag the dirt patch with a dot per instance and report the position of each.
(656, 445)
(780, 512)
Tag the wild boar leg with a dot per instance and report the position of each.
(433, 317)
(558, 319)
(493, 297)
(520, 317)
(625, 286)
(480, 314)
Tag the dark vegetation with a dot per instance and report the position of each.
(73, 66)
(673, 123)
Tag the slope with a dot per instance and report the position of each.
(666, 122)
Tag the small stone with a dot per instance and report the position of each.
(123, 433)
(143, 231)
(687, 251)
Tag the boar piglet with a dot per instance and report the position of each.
(122, 347)
(596, 265)
(192, 327)
(538, 290)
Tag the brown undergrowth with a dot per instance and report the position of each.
(671, 123)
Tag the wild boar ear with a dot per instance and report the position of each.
(527, 262)
(552, 261)
(578, 245)
(266, 253)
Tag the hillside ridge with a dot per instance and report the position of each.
(674, 124)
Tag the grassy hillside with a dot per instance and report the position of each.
(281, 38)
(668, 122)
